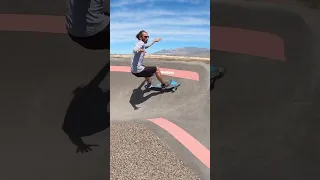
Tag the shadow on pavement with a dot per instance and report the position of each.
(87, 113)
(137, 96)
(263, 113)
(215, 74)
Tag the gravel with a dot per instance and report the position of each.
(137, 154)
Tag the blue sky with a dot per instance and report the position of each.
(180, 23)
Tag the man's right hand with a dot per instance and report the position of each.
(141, 50)
(85, 148)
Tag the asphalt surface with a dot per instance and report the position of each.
(188, 108)
(264, 120)
(41, 101)
(39, 72)
(37, 84)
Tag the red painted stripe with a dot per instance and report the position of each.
(222, 38)
(120, 68)
(32, 23)
(245, 41)
(165, 71)
(194, 146)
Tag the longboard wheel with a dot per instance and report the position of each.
(174, 89)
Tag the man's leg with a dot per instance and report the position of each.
(148, 72)
(148, 79)
(159, 77)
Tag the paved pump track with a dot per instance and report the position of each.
(184, 113)
(130, 100)
(41, 69)
(264, 120)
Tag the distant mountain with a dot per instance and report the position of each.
(186, 51)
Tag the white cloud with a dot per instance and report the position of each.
(190, 25)
(120, 3)
(160, 22)
(177, 35)
(127, 14)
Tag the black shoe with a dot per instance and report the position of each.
(148, 85)
(166, 84)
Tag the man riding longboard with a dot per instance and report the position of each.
(137, 67)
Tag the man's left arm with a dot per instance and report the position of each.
(149, 45)
(154, 41)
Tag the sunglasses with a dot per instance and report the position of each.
(146, 36)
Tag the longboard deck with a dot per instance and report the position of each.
(173, 86)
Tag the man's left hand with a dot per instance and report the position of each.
(157, 40)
